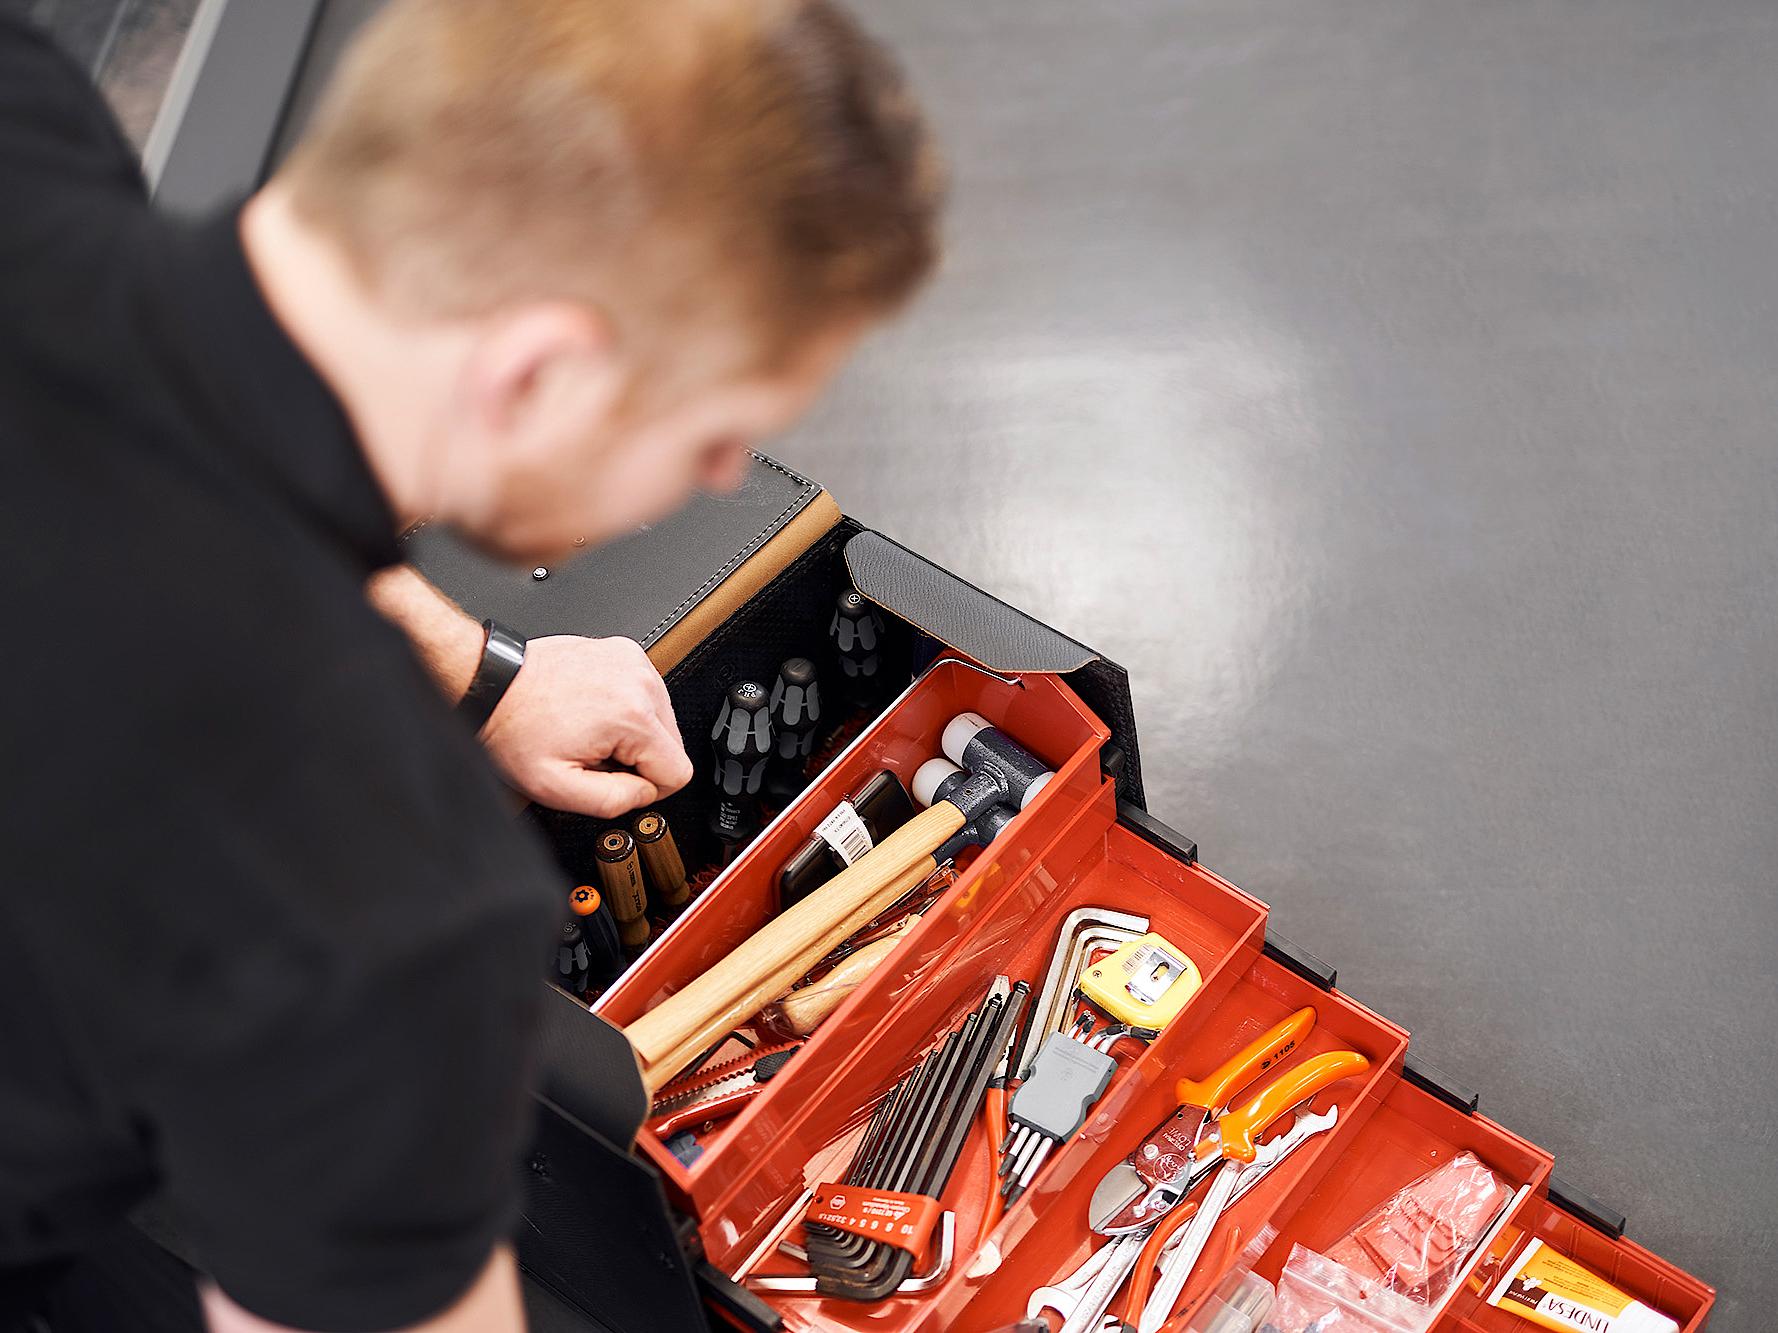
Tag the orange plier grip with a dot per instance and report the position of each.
(994, 1117)
(1142, 1277)
(1215, 1090)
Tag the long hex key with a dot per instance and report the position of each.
(825, 1244)
(841, 1250)
(939, 1158)
(867, 1161)
(881, 1259)
(904, 1174)
(881, 1120)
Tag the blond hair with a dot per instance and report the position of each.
(664, 159)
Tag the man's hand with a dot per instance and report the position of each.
(578, 709)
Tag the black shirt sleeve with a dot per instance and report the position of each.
(289, 933)
(71, 193)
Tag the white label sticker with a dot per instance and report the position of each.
(845, 832)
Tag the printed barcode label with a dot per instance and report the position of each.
(845, 832)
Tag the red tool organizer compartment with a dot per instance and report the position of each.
(1049, 1241)
(1410, 1132)
(1042, 714)
(1106, 865)
(1623, 1263)
(1003, 916)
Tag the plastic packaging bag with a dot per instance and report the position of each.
(1317, 1295)
(1239, 1304)
(1415, 1243)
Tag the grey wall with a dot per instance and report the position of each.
(1389, 386)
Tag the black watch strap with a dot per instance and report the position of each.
(502, 655)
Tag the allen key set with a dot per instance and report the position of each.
(864, 1232)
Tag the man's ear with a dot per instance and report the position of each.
(539, 358)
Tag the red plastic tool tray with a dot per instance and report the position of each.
(1069, 850)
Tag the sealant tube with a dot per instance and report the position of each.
(1552, 1291)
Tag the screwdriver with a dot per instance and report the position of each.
(796, 714)
(660, 857)
(573, 970)
(741, 741)
(621, 874)
(605, 957)
(857, 633)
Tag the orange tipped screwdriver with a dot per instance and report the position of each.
(605, 957)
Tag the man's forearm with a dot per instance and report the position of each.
(447, 640)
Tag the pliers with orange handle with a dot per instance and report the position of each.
(1223, 1152)
(1231, 1157)
(994, 1117)
(1140, 1188)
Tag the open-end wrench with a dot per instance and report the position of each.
(1232, 1148)
(1115, 1260)
(1064, 1296)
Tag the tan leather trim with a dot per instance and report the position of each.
(814, 521)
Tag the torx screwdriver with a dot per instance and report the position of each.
(605, 957)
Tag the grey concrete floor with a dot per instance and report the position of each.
(1390, 387)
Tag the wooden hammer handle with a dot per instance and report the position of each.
(662, 1071)
(804, 1009)
(874, 881)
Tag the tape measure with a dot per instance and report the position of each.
(1144, 983)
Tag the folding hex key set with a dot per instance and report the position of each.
(1013, 1056)
(1076, 1090)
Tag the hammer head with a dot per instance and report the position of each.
(994, 759)
(941, 780)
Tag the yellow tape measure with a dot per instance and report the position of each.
(1144, 983)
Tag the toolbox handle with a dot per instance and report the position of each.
(1577, 1202)
(1299, 960)
(1430, 1078)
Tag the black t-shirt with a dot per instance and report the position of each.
(269, 941)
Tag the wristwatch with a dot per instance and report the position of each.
(502, 655)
